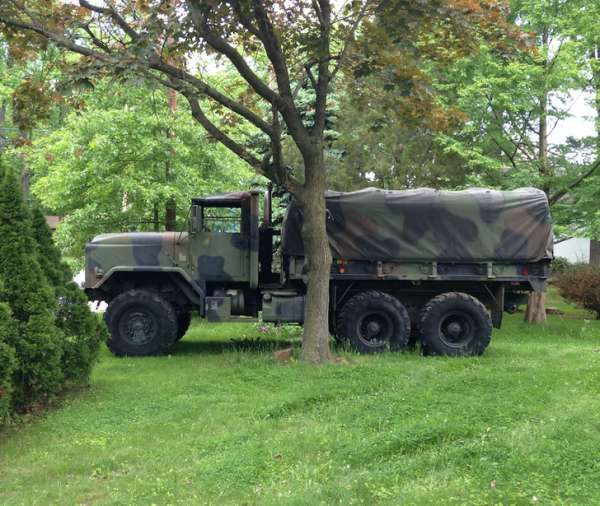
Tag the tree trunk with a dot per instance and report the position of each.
(315, 339)
(595, 57)
(171, 204)
(170, 215)
(536, 308)
(536, 311)
(155, 218)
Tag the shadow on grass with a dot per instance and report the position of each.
(257, 345)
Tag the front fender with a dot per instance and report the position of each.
(191, 288)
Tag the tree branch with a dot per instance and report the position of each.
(157, 63)
(561, 193)
(220, 45)
(310, 75)
(286, 106)
(506, 153)
(220, 136)
(323, 10)
(109, 11)
(153, 62)
(95, 40)
(59, 39)
(346, 45)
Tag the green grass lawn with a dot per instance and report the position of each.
(222, 423)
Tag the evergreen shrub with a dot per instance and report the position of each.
(8, 359)
(48, 336)
(84, 332)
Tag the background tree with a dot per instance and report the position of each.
(515, 104)
(104, 168)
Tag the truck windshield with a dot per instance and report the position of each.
(222, 219)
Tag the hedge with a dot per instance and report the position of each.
(49, 339)
(8, 359)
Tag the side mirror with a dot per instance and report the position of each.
(196, 219)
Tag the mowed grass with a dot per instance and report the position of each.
(218, 422)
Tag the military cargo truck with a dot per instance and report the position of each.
(435, 266)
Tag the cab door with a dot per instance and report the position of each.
(220, 245)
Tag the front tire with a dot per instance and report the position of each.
(455, 324)
(141, 323)
(374, 322)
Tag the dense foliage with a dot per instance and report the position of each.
(49, 336)
(31, 298)
(118, 165)
(83, 334)
(580, 284)
(499, 118)
(560, 264)
(7, 358)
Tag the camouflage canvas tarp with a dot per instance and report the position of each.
(426, 224)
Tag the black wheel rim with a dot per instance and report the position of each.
(138, 327)
(456, 329)
(375, 329)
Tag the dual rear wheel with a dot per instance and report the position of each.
(453, 324)
(373, 322)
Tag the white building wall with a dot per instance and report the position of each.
(575, 250)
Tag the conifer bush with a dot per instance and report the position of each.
(8, 359)
(39, 348)
(39, 342)
(25, 285)
(48, 336)
(84, 332)
(57, 272)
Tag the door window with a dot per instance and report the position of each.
(222, 219)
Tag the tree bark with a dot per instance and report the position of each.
(536, 308)
(595, 57)
(155, 218)
(315, 340)
(171, 204)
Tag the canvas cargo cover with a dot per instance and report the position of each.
(426, 224)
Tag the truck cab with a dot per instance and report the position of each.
(223, 239)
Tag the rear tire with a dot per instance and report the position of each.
(141, 323)
(455, 324)
(374, 322)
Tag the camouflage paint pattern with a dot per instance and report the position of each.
(218, 309)
(201, 256)
(415, 225)
(282, 306)
(136, 250)
(418, 236)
